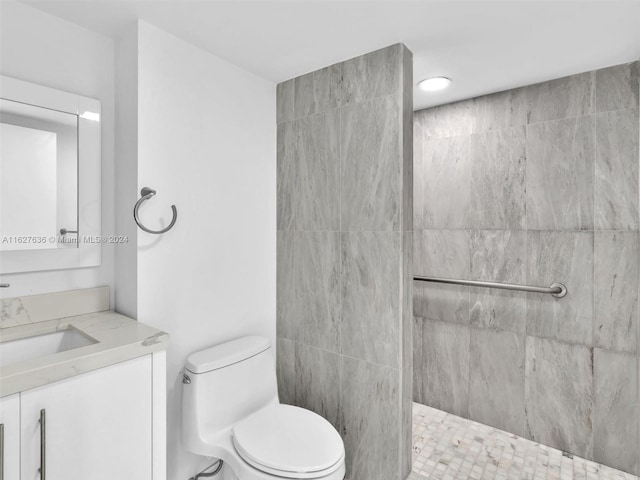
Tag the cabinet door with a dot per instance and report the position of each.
(10, 432)
(97, 425)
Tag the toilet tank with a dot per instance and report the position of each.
(223, 384)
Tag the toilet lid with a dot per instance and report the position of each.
(283, 438)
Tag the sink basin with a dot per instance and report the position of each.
(23, 349)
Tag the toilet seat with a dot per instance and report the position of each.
(290, 442)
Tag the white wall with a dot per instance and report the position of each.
(43, 49)
(206, 142)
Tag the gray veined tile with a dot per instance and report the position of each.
(371, 318)
(407, 187)
(565, 257)
(616, 439)
(417, 359)
(451, 120)
(407, 141)
(417, 259)
(407, 79)
(445, 366)
(419, 121)
(494, 308)
(559, 395)
(287, 176)
(407, 297)
(418, 287)
(496, 388)
(284, 101)
(442, 253)
(418, 175)
(317, 166)
(616, 177)
(616, 278)
(318, 380)
(500, 110)
(446, 182)
(286, 370)
(416, 268)
(498, 179)
(445, 303)
(372, 424)
(371, 180)
(499, 256)
(373, 75)
(308, 167)
(318, 91)
(286, 298)
(562, 98)
(618, 87)
(318, 304)
(559, 176)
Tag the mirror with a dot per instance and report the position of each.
(38, 177)
(49, 178)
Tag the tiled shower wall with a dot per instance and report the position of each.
(533, 186)
(344, 254)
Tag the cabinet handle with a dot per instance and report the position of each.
(1, 451)
(43, 444)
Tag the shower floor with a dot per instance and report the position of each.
(452, 448)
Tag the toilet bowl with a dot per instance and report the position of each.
(231, 412)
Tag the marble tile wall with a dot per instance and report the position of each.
(534, 185)
(344, 255)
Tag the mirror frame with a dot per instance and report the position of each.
(87, 254)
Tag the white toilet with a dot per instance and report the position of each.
(231, 411)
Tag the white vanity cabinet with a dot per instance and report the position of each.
(10, 437)
(97, 425)
(81, 410)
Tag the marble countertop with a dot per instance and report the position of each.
(118, 338)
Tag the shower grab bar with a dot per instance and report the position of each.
(556, 289)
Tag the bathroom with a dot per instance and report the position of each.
(442, 281)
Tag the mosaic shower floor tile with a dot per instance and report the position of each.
(446, 447)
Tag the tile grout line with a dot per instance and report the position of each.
(449, 446)
(593, 268)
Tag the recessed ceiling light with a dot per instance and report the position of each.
(434, 84)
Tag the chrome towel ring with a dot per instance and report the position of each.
(147, 193)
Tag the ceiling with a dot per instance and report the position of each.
(484, 46)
